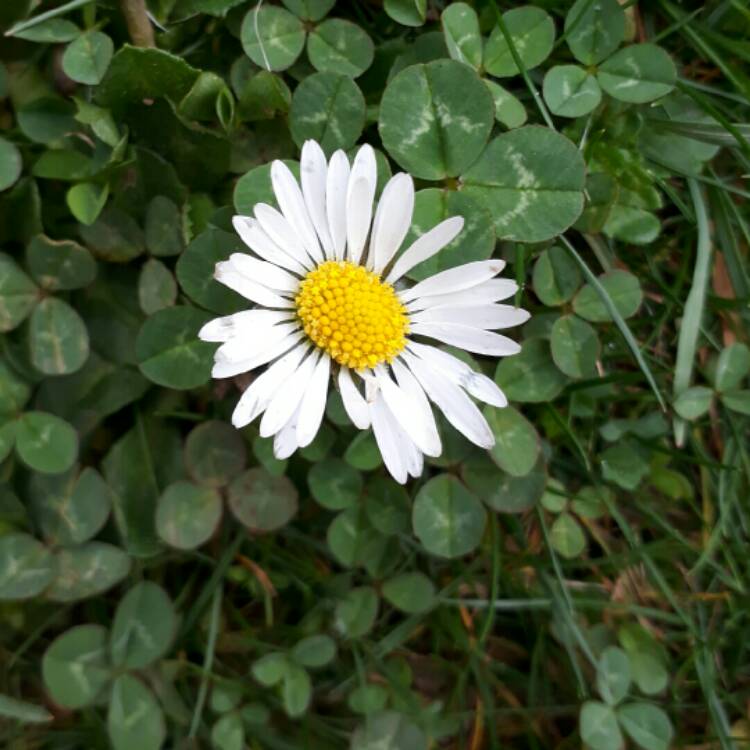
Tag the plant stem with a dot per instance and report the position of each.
(139, 25)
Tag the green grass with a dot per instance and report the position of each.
(510, 647)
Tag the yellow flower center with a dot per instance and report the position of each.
(351, 314)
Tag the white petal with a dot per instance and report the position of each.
(359, 199)
(451, 366)
(261, 244)
(371, 386)
(390, 442)
(288, 398)
(455, 279)
(227, 274)
(292, 204)
(358, 215)
(417, 424)
(313, 172)
(414, 391)
(465, 337)
(282, 233)
(313, 403)
(476, 383)
(392, 221)
(285, 440)
(415, 462)
(411, 453)
(365, 166)
(354, 403)
(491, 291)
(267, 274)
(426, 246)
(246, 343)
(458, 408)
(486, 389)
(230, 369)
(260, 392)
(337, 181)
(229, 326)
(489, 317)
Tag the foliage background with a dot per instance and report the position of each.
(165, 582)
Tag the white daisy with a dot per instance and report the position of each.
(331, 303)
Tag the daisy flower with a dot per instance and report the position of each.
(331, 303)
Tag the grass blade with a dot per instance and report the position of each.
(693, 313)
(213, 632)
(61, 10)
(617, 318)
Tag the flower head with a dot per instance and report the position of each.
(331, 303)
